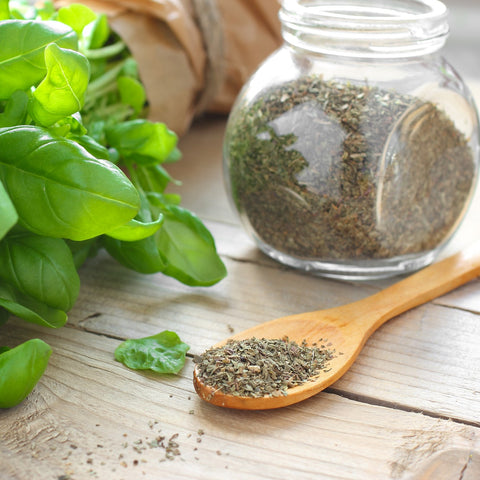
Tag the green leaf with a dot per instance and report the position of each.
(62, 91)
(15, 110)
(174, 156)
(40, 267)
(136, 230)
(114, 156)
(8, 214)
(69, 127)
(96, 33)
(59, 189)
(20, 370)
(92, 147)
(132, 93)
(162, 353)
(76, 16)
(144, 142)
(22, 59)
(141, 256)
(100, 58)
(4, 10)
(29, 309)
(153, 178)
(188, 249)
(183, 248)
(159, 201)
(45, 10)
(82, 250)
(130, 67)
(172, 198)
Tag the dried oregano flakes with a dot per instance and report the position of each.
(257, 367)
(331, 170)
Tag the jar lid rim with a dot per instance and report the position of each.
(366, 28)
(361, 11)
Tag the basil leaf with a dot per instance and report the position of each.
(70, 127)
(188, 249)
(159, 201)
(15, 110)
(83, 250)
(4, 10)
(174, 156)
(29, 309)
(162, 353)
(96, 33)
(20, 370)
(62, 91)
(136, 230)
(132, 93)
(76, 16)
(92, 146)
(142, 141)
(45, 10)
(40, 267)
(154, 178)
(22, 60)
(8, 214)
(141, 256)
(59, 189)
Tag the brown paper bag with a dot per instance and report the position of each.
(193, 55)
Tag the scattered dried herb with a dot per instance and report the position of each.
(258, 367)
(327, 170)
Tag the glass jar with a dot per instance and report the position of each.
(353, 150)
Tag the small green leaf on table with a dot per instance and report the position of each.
(162, 353)
(20, 369)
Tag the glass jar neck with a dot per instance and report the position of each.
(365, 28)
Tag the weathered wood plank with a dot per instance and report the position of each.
(428, 359)
(467, 298)
(90, 417)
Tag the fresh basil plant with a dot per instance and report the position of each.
(81, 169)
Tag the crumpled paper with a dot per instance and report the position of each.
(193, 55)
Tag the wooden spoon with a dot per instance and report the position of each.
(348, 327)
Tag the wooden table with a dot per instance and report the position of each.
(408, 409)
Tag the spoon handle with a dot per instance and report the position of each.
(421, 287)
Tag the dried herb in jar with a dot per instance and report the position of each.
(332, 171)
(257, 367)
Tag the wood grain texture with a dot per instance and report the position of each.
(90, 417)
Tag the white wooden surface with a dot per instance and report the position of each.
(408, 409)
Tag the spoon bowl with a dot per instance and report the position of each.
(347, 328)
